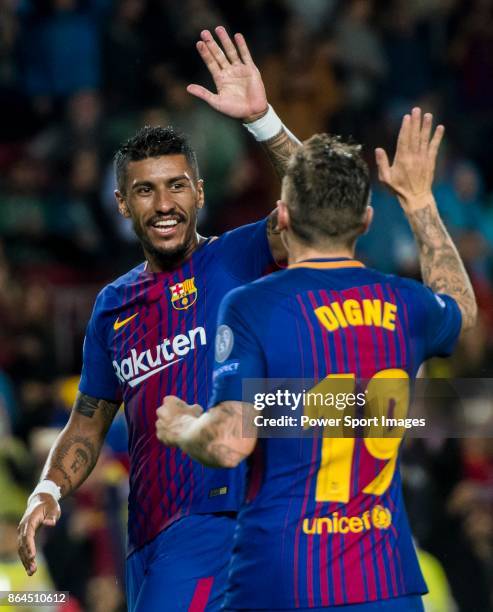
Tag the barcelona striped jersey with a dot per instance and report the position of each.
(152, 335)
(324, 523)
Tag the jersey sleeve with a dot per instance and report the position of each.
(238, 352)
(443, 321)
(246, 252)
(98, 377)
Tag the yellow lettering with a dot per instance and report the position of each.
(389, 313)
(336, 307)
(335, 522)
(327, 318)
(344, 525)
(324, 521)
(366, 520)
(355, 524)
(306, 526)
(372, 311)
(352, 310)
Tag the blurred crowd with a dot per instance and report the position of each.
(77, 77)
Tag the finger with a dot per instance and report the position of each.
(171, 400)
(196, 410)
(383, 165)
(415, 129)
(215, 50)
(227, 43)
(171, 397)
(51, 518)
(204, 94)
(29, 542)
(21, 547)
(435, 142)
(403, 140)
(424, 138)
(208, 59)
(240, 41)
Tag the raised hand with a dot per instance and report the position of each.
(411, 175)
(240, 90)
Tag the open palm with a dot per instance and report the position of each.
(411, 174)
(240, 90)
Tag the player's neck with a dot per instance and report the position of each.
(299, 252)
(160, 262)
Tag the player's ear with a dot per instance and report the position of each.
(283, 221)
(367, 219)
(200, 193)
(122, 204)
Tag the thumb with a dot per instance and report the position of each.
(383, 165)
(204, 94)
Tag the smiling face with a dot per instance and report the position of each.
(162, 197)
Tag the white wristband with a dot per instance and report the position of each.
(46, 486)
(266, 127)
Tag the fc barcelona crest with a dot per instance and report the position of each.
(184, 294)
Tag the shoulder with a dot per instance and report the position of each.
(252, 236)
(410, 288)
(260, 293)
(418, 298)
(113, 294)
(126, 279)
(403, 283)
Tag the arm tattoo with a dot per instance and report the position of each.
(279, 148)
(77, 448)
(441, 266)
(88, 406)
(73, 457)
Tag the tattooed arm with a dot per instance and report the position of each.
(71, 460)
(279, 149)
(77, 448)
(411, 177)
(221, 437)
(441, 265)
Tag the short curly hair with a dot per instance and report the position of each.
(152, 142)
(328, 189)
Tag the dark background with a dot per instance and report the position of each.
(77, 78)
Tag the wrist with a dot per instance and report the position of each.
(266, 126)
(412, 203)
(256, 116)
(47, 487)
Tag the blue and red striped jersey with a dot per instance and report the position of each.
(152, 335)
(324, 523)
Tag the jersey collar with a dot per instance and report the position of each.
(328, 263)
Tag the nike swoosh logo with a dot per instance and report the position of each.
(118, 324)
